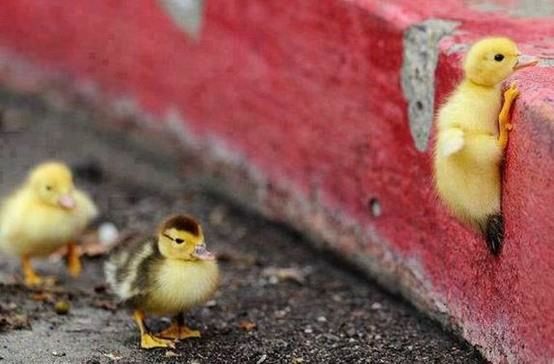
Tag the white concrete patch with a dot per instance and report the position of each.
(187, 14)
(418, 75)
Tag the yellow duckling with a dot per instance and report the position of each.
(472, 135)
(45, 213)
(166, 275)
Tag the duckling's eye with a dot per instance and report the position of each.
(48, 188)
(499, 57)
(177, 240)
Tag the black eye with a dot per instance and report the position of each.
(179, 241)
(498, 57)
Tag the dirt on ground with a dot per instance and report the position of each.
(280, 301)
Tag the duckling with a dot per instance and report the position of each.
(472, 135)
(165, 275)
(45, 213)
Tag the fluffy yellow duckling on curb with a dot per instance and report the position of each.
(472, 135)
(166, 275)
(45, 213)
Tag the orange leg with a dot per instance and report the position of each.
(73, 261)
(504, 125)
(147, 340)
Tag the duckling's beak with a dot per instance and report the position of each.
(67, 202)
(202, 253)
(525, 61)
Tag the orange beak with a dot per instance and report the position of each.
(525, 61)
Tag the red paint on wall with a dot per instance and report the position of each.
(310, 93)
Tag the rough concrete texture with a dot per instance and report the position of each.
(421, 54)
(320, 314)
(519, 8)
(306, 100)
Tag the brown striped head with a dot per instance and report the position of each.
(181, 237)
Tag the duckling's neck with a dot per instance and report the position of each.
(469, 84)
(181, 260)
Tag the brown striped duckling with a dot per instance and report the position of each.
(164, 275)
(44, 214)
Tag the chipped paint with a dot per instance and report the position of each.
(187, 14)
(418, 75)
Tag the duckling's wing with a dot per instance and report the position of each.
(450, 141)
(129, 269)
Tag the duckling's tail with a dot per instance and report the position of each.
(493, 232)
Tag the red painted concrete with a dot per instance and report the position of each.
(310, 93)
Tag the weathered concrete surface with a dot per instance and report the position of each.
(421, 54)
(306, 101)
(331, 316)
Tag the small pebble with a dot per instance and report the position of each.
(262, 359)
(308, 330)
(321, 319)
(171, 354)
(376, 306)
(211, 303)
(62, 307)
(113, 356)
(107, 233)
(331, 337)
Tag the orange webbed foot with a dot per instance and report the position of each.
(179, 332)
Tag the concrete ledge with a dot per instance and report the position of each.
(299, 111)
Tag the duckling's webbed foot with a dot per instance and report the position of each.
(504, 124)
(34, 281)
(148, 340)
(31, 278)
(178, 330)
(74, 266)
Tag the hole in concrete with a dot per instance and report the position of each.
(419, 105)
(375, 207)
